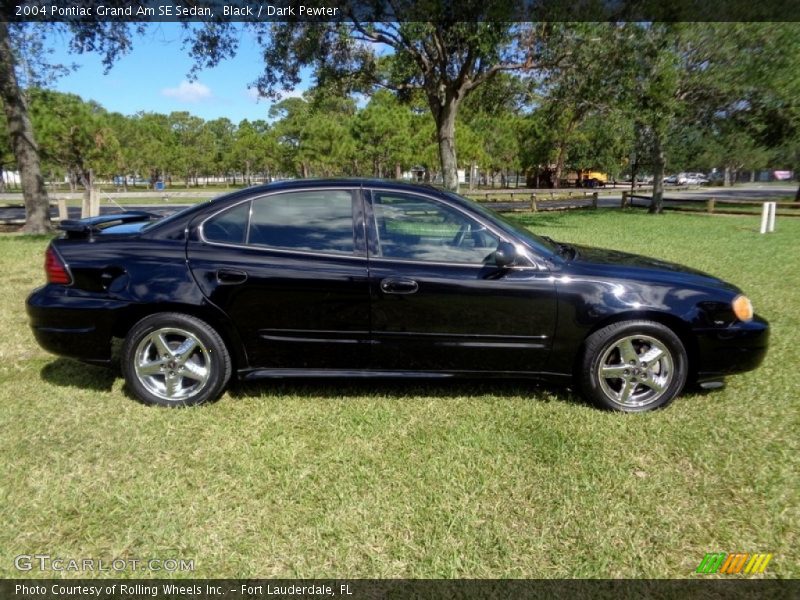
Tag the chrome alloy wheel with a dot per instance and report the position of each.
(635, 370)
(172, 364)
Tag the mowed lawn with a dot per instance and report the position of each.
(377, 479)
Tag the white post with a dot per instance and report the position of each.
(772, 208)
(764, 217)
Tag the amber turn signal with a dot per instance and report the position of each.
(743, 308)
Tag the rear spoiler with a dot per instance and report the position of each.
(76, 228)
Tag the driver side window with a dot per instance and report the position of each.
(412, 227)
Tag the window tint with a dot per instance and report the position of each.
(229, 226)
(315, 221)
(418, 228)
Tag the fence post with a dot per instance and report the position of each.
(94, 202)
(768, 217)
(62, 209)
(594, 199)
(534, 208)
(710, 205)
(624, 203)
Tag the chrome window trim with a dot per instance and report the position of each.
(247, 246)
(501, 235)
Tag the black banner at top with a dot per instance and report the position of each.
(256, 11)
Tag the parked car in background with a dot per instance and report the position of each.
(692, 179)
(351, 278)
(671, 179)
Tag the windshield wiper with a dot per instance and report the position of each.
(563, 249)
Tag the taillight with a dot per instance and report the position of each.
(55, 268)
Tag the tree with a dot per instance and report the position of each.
(444, 57)
(381, 131)
(23, 141)
(74, 135)
(716, 78)
(21, 46)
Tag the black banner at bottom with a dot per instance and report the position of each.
(393, 589)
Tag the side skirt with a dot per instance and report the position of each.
(252, 374)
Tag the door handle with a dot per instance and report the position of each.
(398, 285)
(231, 276)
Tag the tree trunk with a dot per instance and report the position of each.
(473, 168)
(659, 163)
(398, 171)
(726, 182)
(562, 151)
(797, 194)
(445, 118)
(634, 174)
(20, 131)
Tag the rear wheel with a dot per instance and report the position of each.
(173, 359)
(633, 366)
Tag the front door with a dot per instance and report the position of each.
(438, 301)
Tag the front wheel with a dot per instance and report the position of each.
(173, 359)
(633, 366)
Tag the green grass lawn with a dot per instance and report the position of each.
(358, 480)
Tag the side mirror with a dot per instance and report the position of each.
(505, 254)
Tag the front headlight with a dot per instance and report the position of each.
(742, 308)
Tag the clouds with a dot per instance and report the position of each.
(190, 93)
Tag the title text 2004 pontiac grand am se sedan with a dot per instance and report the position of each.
(353, 277)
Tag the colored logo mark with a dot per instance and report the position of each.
(733, 564)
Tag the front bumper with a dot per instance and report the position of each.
(735, 349)
(75, 326)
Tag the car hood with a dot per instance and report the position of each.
(624, 264)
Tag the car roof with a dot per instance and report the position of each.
(175, 223)
(342, 182)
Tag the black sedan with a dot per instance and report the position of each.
(346, 278)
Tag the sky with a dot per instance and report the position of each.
(153, 78)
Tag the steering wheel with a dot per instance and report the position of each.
(466, 229)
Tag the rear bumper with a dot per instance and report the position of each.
(735, 349)
(74, 326)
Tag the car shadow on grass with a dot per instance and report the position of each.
(400, 389)
(65, 372)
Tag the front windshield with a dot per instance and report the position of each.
(511, 226)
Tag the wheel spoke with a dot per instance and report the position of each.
(150, 368)
(173, 385)
(655, 384)
(626, 391)
(161, 345)
(613, 371)
(185, 350)
(652, 356)
(627, 352)
(194, 371)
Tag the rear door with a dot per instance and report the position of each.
(290, 269)
(438, 300)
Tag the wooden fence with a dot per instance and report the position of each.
(714, 205)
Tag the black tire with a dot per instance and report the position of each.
(173, 359)
(657, 377)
